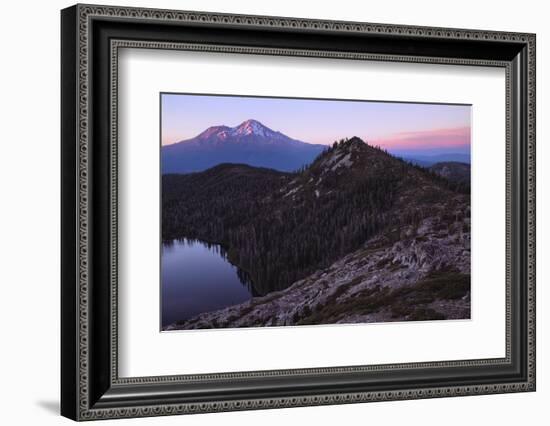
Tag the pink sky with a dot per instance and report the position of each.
(458, 137)
(397, 126)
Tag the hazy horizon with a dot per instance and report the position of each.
(400, 127)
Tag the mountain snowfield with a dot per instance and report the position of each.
(242, 131)
(251, 142)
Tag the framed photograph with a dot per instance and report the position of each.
(263, 212)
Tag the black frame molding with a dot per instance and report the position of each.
(90, 38)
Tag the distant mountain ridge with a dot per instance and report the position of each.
(429, 160)
(251, 142)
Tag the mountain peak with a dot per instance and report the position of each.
(249, 127)
(251, 122)
(253, 127)
(353, 144)
(213, 130)
(353, 156)
(356, 141)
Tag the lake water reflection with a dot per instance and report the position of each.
(197, 277)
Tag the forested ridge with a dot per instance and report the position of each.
(282, 227)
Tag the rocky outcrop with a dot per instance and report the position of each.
(453, 171)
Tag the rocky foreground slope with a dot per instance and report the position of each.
(425, 275)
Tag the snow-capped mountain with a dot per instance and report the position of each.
(254, 127)
(250, 143)
(251, 131)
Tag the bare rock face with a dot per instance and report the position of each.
(410, 272)
(453, 171)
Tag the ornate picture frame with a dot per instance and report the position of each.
(91, 37)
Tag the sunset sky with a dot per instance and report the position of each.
(398, 127)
